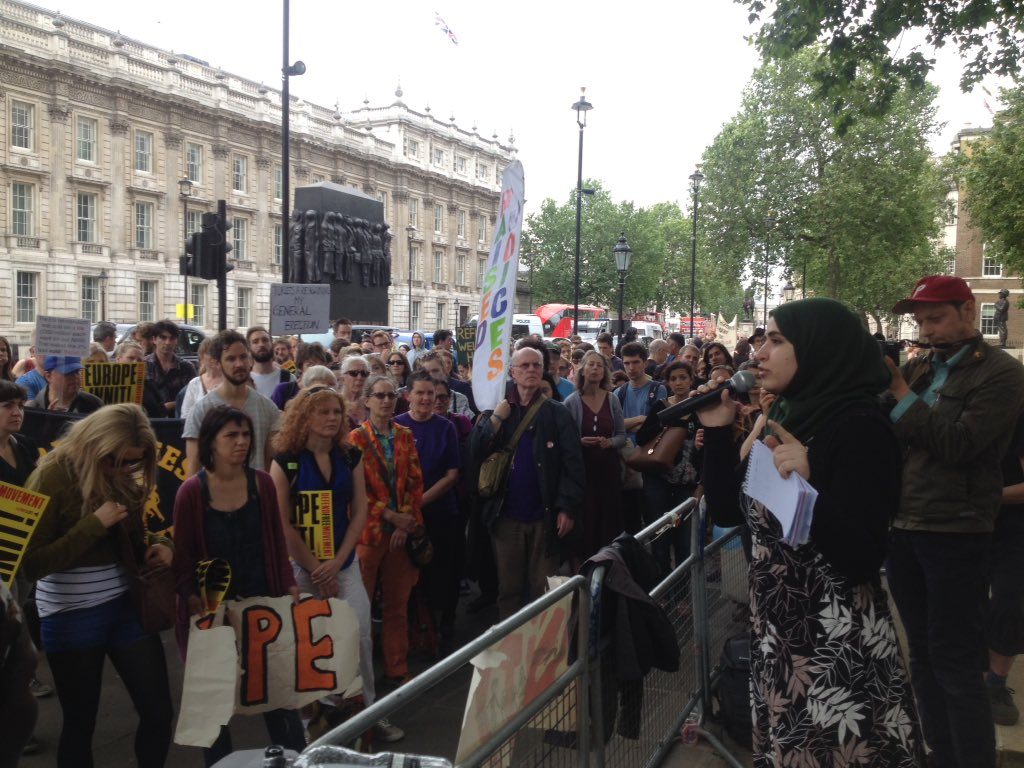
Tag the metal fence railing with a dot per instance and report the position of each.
(564, 726)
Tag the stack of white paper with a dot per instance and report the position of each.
(790, 499)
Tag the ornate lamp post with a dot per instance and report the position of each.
(788, 290)
(184, 192)
(695, 179)
(411, 232)
(581, 107)
(103, 277)
(623, 255)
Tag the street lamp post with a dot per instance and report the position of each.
(185, 192)
(767, 265)
(695, 179)
(410, 231)
(287, 71)
(788, 290)
(623, 255)
(581, 107)
(103, 277)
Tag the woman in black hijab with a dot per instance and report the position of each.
(827, 678)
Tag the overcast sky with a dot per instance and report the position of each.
(663, 77)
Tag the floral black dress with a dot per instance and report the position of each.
(828, 685)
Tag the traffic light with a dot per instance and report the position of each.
(189, 264)
(222, 228)
(206, 266)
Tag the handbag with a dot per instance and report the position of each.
(419, 547)
(494, 469)
(152, 589)
(659, 455)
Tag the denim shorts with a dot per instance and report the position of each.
(113, 624)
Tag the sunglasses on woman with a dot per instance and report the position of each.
(396, 362)
(359, 374)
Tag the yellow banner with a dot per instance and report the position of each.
(19, 512)
(289, 365)
(313, 518)
(115, 382)
(179, 312)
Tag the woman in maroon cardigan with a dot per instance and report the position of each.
(228, 510)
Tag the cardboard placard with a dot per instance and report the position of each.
(19, 512)
(313, 518)
(62, 336)
(115, 382)
(465, 344)
(299, 308)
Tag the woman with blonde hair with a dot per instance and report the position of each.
(98, 478)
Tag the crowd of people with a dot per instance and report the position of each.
(914, 468)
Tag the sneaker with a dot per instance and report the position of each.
(1004, 711)
(388, 732)
(38, 689)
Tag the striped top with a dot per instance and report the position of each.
(78, 588)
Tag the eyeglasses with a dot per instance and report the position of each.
(396, 362)
(133, 465)
(384, 395)
(382, 345)
(360, 374)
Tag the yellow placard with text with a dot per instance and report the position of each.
(115, 382)
(289, 365)
(313, 518)
(19, 512)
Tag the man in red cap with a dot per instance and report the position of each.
(954, 415)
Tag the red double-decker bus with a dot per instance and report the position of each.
(558, 319)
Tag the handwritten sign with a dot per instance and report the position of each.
(299, 308)
(313, 518)
(19, 512)
(62, 336)
(494, 331)
(465, 342)
(115, 382)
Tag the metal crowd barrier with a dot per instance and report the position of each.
(700, 598)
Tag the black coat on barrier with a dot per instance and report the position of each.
(636, 634)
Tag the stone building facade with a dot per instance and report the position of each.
(99, 130)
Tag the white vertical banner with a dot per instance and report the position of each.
(491, 351)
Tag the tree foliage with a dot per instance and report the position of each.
(859, 213)
(989, 34)
(993, 174)
(659, 276)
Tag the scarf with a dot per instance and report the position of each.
(839, 365)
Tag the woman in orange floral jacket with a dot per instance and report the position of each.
(394, 490)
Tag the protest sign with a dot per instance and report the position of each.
(313, 518)
(465, 340)
(494, 330)
(62, 336)
(299, 308)
(513, 672)
(725, 332)
(115, 382)
(19, 513)
(274, 654)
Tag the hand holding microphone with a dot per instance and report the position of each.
(712, 402)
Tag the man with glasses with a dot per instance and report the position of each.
(168, 372)
(432, 363)
(544, 487)
(382, 342)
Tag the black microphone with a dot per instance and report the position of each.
(743, 381)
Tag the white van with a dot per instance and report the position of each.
(524, 325)
(646, 330)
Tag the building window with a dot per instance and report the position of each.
(91, 298)
(481, 236)
(460, 224)
(144, 151)
(147, 301)
(198, 291)
(411, 148)
(437, 157)
(438, 219)
(383, 197)
(990, 266)
(460, 269)
(414, 212)
(194, 162)
(27, 299)
(194, 220)
(481, 270)
(440, 314)
(483, 171)
(144, 226)
(86, 218)
(238, 228)
(414, 322)
(461, 165)
(243, 307)
(87, 131)
(988, 320)
(22, 205)
(239, 173)
(278, 183)
(318, 178)
(438, 266)
(23, 124)
(278, 244)
(415, 259)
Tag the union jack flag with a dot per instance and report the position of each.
(438, 21)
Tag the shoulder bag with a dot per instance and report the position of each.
(494, 469)
(659, 455)
(152, 589)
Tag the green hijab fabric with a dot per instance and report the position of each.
(839, 364)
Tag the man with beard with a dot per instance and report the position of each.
(266, 374)
(230, 350)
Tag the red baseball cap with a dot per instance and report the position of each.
(935, 289)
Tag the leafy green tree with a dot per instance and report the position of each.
(993, 172)
(855, 215)
(989, 34)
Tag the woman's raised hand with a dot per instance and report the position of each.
(721, 414)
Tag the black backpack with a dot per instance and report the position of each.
(733, 690)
